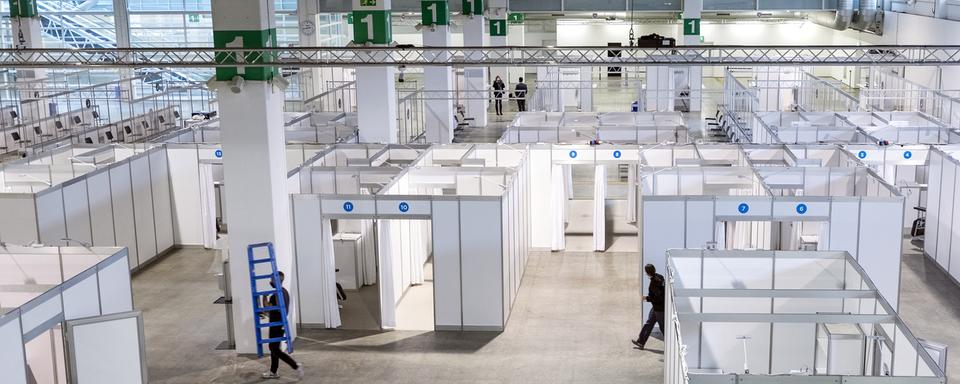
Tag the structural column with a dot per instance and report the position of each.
(308, 17)
(438, 81)
(475, 78)
(27, 34)
(254, 161)
(691, 36)
(121, 18)
(376, 87)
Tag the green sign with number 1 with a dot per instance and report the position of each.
(372, 27)
(498, 27)
(435, 12)
(691, 27)
(472, 7)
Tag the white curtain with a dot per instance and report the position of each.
(331, 309)
(388, 300)
(369, 256)
(632, 194)
(599, 208)
(558, 199)
(418, 252)
(208, 206)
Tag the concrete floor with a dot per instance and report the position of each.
(572, 322)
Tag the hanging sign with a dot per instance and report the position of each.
(516, 18)
(435, 12)
(372, 27)
(691, 27)
(498, 27)
(471, 7)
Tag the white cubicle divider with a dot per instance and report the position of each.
(47, 287)
(469, 218)
(124, 200)
(942, 231)
(584, 127)
(903, 166)
(784, 317)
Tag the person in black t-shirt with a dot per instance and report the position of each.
(276, 353)
(655, 296)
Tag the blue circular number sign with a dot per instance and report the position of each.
(617, 154)
(218, 153)
(862, 154)
(404, 206)
(348, 206)
(573, 154)
(907, 155)
(743, 208)
(801, 208)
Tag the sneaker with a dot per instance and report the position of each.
(300, 370)
(269, 376)
(637, 343)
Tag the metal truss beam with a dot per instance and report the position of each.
(480, 56)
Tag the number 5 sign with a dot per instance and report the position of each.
(435, 12)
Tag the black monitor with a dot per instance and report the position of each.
(37, 130)
(88, 140)
(13, 114)
(76, 120)
(145, 124)
(109, 135)
(127, 130)
(15, 136)
(162, 120)
(58, 124)
(176, 114)
(96, 115)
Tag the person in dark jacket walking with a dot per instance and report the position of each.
(655, 296)
(276, 353)
(498, 87)
(520, 92)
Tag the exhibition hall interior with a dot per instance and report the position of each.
(479, 191)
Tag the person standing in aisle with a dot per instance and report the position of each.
(498, 87)
(276, 353)
(520, 92)
(655, 296)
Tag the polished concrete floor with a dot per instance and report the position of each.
(572, 322)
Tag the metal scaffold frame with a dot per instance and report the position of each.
(481, 56)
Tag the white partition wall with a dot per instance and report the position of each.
(942, 233)
(125, 201)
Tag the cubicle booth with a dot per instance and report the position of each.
(774, 208)
(943, 218)
(784, 317)
(851, 127)
(585, 127)
(68, 316)
(469, 221)
(106, 196)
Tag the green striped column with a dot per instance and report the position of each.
(372, 22)
(244, 24)
(23, 8)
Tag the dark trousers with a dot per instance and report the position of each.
(655, 317)
(498, 104)
(522, 105)
(277, 353)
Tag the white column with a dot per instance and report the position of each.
(438, 84)
(475, 78)
(377, 104)
(691, 11)
(586, 89)
(516, 38)
(254, 159)
(376, 88)
(308, 17)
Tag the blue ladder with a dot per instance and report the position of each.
(277, 290)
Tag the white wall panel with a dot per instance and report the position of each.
(307, 224)
(123, 218)
(185, 189)
(935, 187)
(12, 359)
(663, 228)
(82, 299)
(880, 245)
(700, 224)
(446, 264)
(143, 208)
(792, 347)
(101, 209)
(77, 209)
(844, 217)
(19, 225)
(481, 261)
(946, 213)
(721, 348)
(115, 291)
(162, 207)
(50, 217)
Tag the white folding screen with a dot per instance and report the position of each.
(599, 208)
(446, 264)
(481, 245)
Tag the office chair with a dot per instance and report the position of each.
(88, 140)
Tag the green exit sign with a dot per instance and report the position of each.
(691, 27)
(193, 18)
(516, 18)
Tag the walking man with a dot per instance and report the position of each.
(655, 296)
(276, 353)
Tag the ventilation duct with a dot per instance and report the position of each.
(868, 18)
(840, 20)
